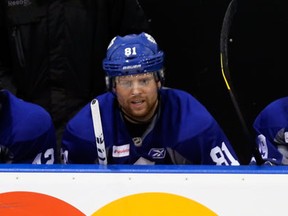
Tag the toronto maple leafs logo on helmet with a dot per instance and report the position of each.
(150, 38)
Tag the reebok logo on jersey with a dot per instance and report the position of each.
(121, 151)
(12, 3)
(157, 153)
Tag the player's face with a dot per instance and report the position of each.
(137, 95)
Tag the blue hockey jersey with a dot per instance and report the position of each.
(271, 126)
(26, 130)
(183, 132)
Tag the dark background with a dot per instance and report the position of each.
(189, 33)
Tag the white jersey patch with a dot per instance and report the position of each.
(121, 151)
(286, 137)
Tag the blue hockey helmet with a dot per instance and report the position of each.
(133, 54)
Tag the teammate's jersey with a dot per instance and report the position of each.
(183, 132)
(271, 126)
(27, 130)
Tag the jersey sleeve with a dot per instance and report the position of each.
(270, 138)
(78, 142)
(196, 135)
(35, 138)
(29, 131)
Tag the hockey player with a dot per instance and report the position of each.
(139, 121)
(271, 126)
(27, 133)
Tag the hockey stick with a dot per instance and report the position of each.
(97, 124)
(224, 40)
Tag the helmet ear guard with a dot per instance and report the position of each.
(160, 76)
(108, 81)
